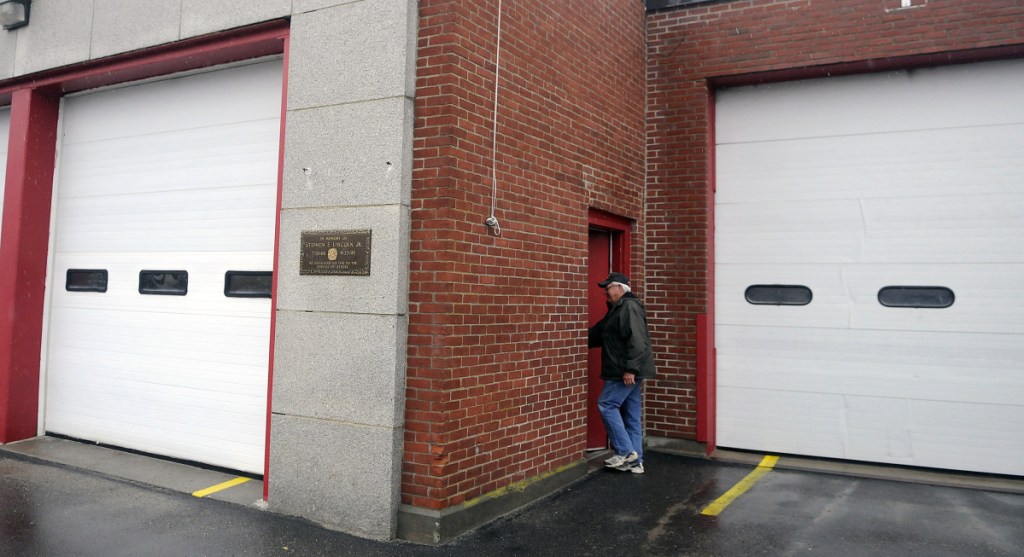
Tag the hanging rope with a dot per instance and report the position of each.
(492, 221)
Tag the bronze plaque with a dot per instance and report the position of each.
(335, 252)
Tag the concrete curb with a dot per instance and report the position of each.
(133, 468)
(983, 482)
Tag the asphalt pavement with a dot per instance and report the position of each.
(52, 509)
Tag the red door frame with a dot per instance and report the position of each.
(24, 242)
(619, 228)
(621, 241)
(599, 264)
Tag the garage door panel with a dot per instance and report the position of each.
(792, 233)
(950, 229)
(947, 229)
(923, 381)
(1001, 352)
(141, 338)
(167, 337)
(917, 433)
(201, 205)
(206, 220)
(240, 154)
(991, 215)
(169, 420)
(141, 436)
(214, 233)
(829, 308)
(980, 160)
(779, 420)
(205, 100)
(246, 308)
(819, 245)
(989, 297)
(175, 372)
(205, 288)
(957, 436)
(895, 101)
(906, 365)
(156, 405)
(140, 189)
(206, 433)
(846, 186)
(205, 425)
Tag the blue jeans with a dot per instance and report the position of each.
(619, 404)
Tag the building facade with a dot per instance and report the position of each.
(351, 245)
(497, 370)
(816, 267)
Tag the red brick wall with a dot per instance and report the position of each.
(803, 38)
(497, 351)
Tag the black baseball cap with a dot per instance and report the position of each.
(614, 277)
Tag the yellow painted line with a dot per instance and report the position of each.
(719, 505)
(220, 487)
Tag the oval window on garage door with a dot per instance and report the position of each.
(932, 297)
(778, 295)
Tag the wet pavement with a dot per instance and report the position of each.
(53, 509)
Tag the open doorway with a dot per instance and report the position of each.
(608, 251)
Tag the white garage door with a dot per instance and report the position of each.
(5, 130)
(835, 190)
(157, 180)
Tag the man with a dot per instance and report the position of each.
(626, 360)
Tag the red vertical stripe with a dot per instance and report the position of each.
(706, 354)
(598, 266)
(23, 253)
(277, 244)
(702, 381)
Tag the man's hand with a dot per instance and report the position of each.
(629, 378)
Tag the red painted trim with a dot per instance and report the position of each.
(622, 243)
(621, 240)
(277, 244)
(620, 229)
(23, 255)
(702, 372)
(601, 219)
(706, 353)
(200, 52)
(870, 66)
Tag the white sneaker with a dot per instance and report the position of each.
(634, 467)
(619, 460)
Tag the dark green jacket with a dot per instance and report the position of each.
(625, 342)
